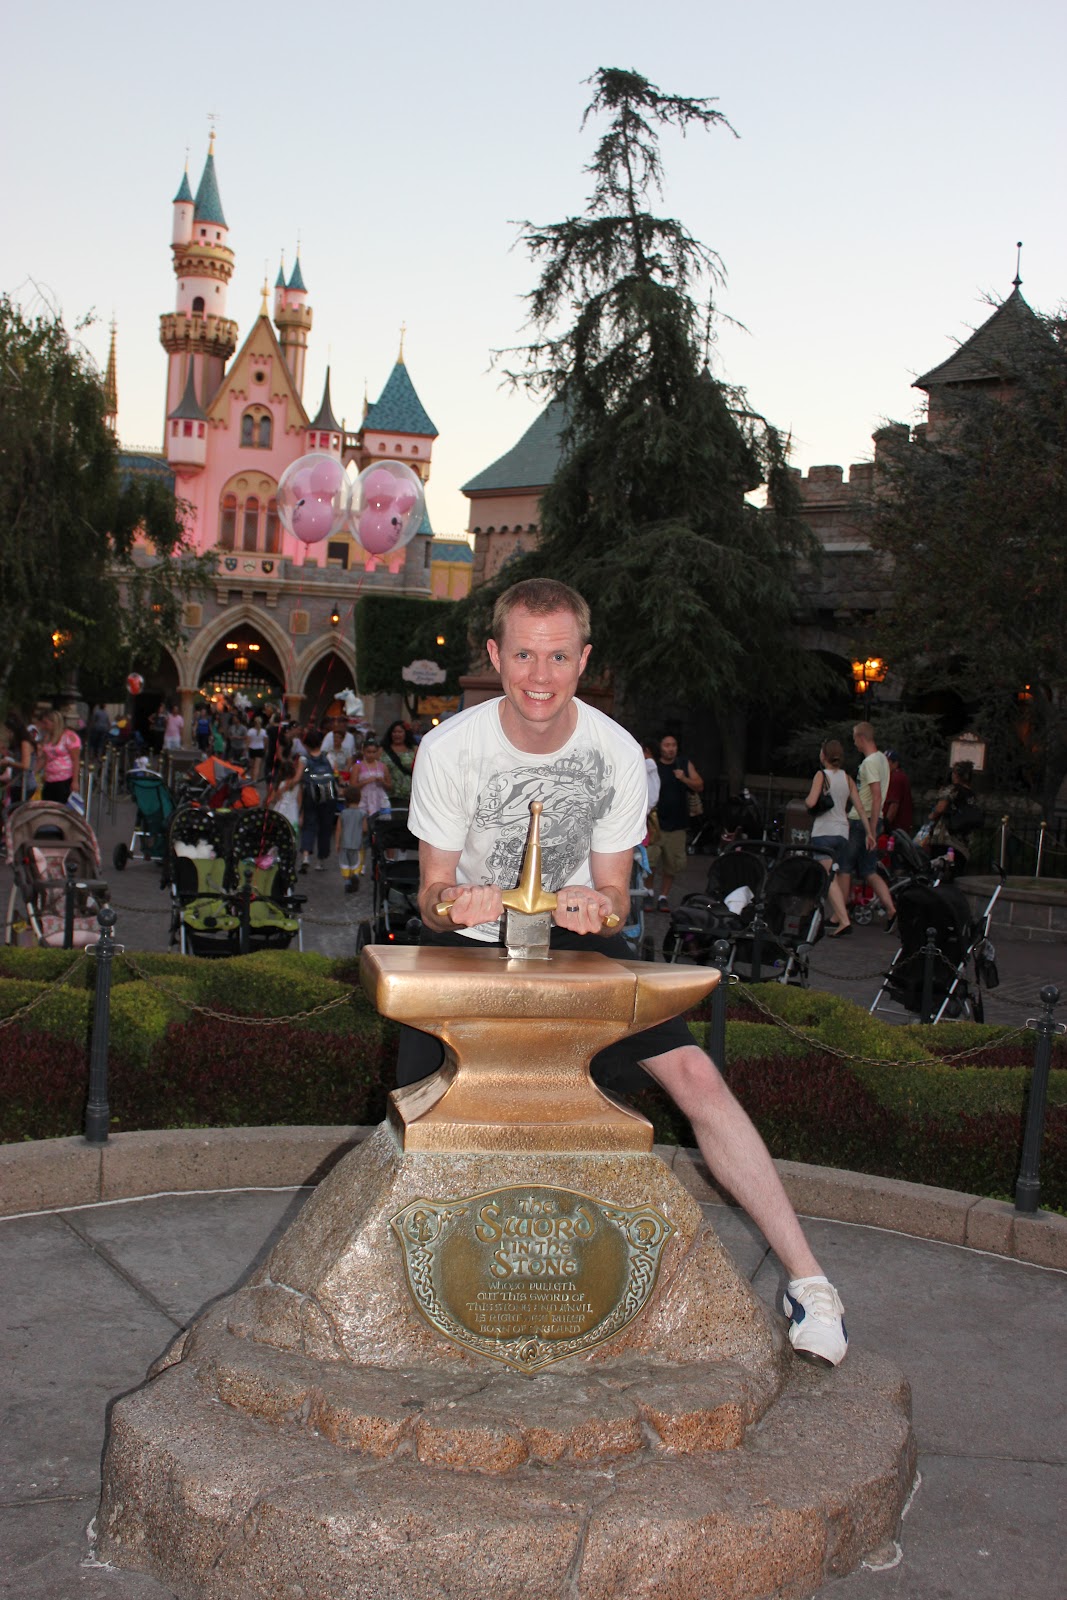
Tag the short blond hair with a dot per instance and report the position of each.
(863, 730)
(541, 597)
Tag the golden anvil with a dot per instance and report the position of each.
(519, 1036)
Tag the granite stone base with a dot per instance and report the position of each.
(314, 1435)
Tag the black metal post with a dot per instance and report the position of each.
(1028, 1188)
(97, 1111)
(720, 956)
(68, 905)
(757, 928)
(930, 953)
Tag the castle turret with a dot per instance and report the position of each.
(396, 427)
(325, 432)
(292, 318)
(198, 336)
(186, 444)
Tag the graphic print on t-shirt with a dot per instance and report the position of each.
(576, 791)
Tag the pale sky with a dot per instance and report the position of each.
(889, 158)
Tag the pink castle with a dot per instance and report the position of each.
(278, 622)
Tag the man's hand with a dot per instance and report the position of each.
(468, 905)
(583, 910)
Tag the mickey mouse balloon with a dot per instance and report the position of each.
(387, 509)
(313, 498)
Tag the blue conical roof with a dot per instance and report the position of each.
(326, 421)
(279, 282)
(208, 200)
(398, 408)
(296, 280)
(184, 191)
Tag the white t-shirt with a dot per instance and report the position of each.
(340, 753)
(833, 824)
(471, 791)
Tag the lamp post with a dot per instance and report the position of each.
(867, 673)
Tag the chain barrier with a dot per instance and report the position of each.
(233, 1016)
(39, 1000)
(321, 922)
(877, 1061)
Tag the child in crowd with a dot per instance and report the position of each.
(373, 778)
(349, 839)
(284, 794)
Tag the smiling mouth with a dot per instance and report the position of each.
(532, 694)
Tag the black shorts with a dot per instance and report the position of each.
(617, 1068)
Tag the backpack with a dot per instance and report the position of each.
(320, 787)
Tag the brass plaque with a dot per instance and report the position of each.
(530, 1275)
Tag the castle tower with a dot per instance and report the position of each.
(198, 336)
(292, 318)
(324, 431)
(397, 427)
(111, 386)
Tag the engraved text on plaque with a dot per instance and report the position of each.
(530, 1274)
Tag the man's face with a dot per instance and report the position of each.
(539, 659)
(668, 750)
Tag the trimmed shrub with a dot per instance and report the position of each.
(44, 1082)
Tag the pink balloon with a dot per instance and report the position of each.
(378, 531)
(314, 519)
(327, 476)
(407, 496)
(379, 489)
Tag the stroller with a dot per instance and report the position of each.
(262, 872)
(155, 807)
(204, 918)
(788, 920)
(56, 864)
(394, 915)
(735, 882)
(640, 894)
(219, 783)
(965, 958)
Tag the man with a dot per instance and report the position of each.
(899, 807)
(872, 781)
(339, 745)
(471, 789)
(678, 779)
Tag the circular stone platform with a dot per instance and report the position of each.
(314, 1436)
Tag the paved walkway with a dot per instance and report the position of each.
(92, 1296)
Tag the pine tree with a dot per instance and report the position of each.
(690, 584)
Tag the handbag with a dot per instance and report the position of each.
(825, 802)
(694, 804)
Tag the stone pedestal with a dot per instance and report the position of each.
(571, 1393)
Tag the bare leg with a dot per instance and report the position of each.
(881, 892)
(736, 1155)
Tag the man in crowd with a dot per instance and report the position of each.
(472, 786)
(678, 779)
(899, 807)
(872, 781)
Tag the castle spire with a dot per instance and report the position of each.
(111, 384)
(400, 353)
(1017, 280)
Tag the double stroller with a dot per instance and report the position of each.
(946, 957)
(155, 807)
(57, 889)
(394, 856)
(232, 879)
(767, 901)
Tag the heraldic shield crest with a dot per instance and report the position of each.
(529, 1275)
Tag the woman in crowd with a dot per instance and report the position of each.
(284, 793)
(58, 758)
(955, 815)
(400, 754)
(257, 745)
(829, 828)
(18, 760)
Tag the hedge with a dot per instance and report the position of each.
(847, 1090)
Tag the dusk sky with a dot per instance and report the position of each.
(888, 160)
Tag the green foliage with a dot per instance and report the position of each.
(975, 520)
(392, 630)
(647, 516)
(915, 735)
(70, 558)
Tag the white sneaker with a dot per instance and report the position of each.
(816, 1320)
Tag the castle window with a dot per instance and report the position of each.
(399, 449)
(198, 303)
(337, 553)
(414, 449)
(187, 430)
(250, 535)
(272, 539)
(228, 521)
(257, 428)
